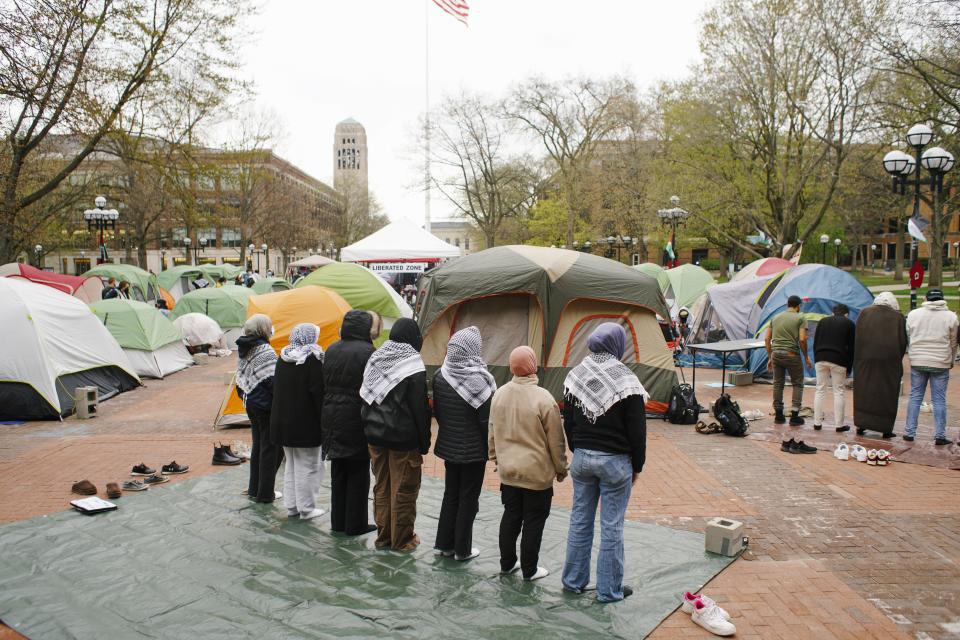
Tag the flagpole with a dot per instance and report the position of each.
(426, 119)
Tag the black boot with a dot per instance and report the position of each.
(223, 456)
(795, 419)
(778, 417)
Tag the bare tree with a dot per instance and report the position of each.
(358, 213)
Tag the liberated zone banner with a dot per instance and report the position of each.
(398, 267)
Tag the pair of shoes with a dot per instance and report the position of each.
(778, 416)
(541, 572)
(842, 452)
(796, 446)
(241, 450)
(155, 479)
(795, 419)
(222, 455)
(843, 429)
(858, 453)
(142, 470)
(908, 438)
(942, 441)
(168, 469)
(134, 485)
(474, 552)
(883, 457)
(708, 614)
(872, 457)
(113, 490)
(310, 515)
(84, 488)
(817, 427)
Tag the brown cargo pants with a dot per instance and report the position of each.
(395, 491)
(785, 362)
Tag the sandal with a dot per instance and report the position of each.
(872, 457)
(883, 457)
(705, 428)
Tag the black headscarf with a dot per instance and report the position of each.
(406, 330)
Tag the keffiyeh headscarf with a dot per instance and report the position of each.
(601, 380)
(257, 359)
(303, 344)
(464, 368)
(398, 359)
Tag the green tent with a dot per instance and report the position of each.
(150, 340)
(550, 299)
(269, 285)
(143, 284)
(227, 305)
(689, 282)
(656, 271)
(213, 272)
(176, 280)
(361, 288)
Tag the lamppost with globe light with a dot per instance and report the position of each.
(186, 248)
(900, 166)
(824, 239)
(266, 257)
(836, 256)
(618, 242)
(673, 217)
(873, 258)
(100, 219)
(38, 252)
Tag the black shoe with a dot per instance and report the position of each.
(222, 455)
(942, 441)
(817, 427)
(843, 428)
(778, 417)
(908, 438)
(627, 591)
(142, 470)
(860, 431)
(370, 528)
(174, 468)
(887, 436)
(801, 447)
(787, 445)
(795, 419)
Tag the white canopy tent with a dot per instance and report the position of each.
(403, 241)
(310, 261)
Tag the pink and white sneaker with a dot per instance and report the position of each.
(689, 606)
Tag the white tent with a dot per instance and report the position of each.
(53, 343)
(198, 329)
(310, 261)
(402, 241)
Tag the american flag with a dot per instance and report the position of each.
(459, 9)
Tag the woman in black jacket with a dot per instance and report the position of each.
(462, 390)
(295, 420)
(255, 370)
(396, 422)
(343, 440)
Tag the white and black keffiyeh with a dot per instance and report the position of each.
(387, 367)
(303, 344)
(464, 368)
(259, 365)
(599, 382)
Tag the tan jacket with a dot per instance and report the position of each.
(526, 436)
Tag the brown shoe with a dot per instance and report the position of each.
(113, 490)
(84, 488)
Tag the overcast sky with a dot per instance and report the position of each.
(315, 63)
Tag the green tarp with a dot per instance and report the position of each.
(227, 305)
(360, 287)
(135, 325)
(143, 282)
(199, 560)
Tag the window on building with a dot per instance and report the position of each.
(177, 235)
(891, 251)
(466, 244)
(231, 237)
(447, 240)
(457, 242)
(210, 235)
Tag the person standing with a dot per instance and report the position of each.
(834, 345)
(343, 441)
(255, 370)
(932, 332)
(295, 420)
(462, 389)
(604, 417)
(526, 443)
(786, 341)
(881, 341)
(396, 423)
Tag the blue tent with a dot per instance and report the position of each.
(821, 287)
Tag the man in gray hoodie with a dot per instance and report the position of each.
(932, 332)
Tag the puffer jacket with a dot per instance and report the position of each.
(342, 376)
(462, 433)
(402, 421)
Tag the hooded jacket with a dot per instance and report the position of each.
(342, 375)
(932, 332)
(297, 403)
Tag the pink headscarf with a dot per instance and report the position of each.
(523, 362)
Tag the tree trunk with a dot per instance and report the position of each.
(899, 258)
(490, 237)
(142, 253)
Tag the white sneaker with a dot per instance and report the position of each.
(710, 618)
(858, 452)
(515, 568)
(690, 598)
(443, 553)
(541, 572)
(842, 452)
(474, 552)
(316, 513)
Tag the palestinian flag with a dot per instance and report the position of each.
(669, 249)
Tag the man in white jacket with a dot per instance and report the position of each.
(932, 332)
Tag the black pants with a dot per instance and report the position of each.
(349, 490)
(265, 457)
(461, 501)
(524, 509)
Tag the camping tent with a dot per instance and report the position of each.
(227, 305)
(85, 288)
(270, 285)
(287, 309)
(151, 341)
(310, 262)
(198, 330)
(820, 286)
(213, 272)
(689, 282)
(550, 299)
(177, 280)
(53, 344)
(143, 284)
(762, 268)
(660, 274)
(401, 241)
(362, 289)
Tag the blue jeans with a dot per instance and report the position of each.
(938, 394)
(597, 475)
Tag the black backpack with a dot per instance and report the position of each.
(683, 408)
(727, 413)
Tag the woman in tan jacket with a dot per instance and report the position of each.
(527, 445)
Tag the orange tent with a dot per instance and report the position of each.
(319, 305)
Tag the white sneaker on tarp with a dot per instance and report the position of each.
(711, 619)
(842, 452)
(316, 513)
(541, 572)
(474, 552)
(690, 598)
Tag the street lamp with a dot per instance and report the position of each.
(672, 217)
(936, 161)
(186, 247)
(824, 239)
(100, 219)
(266, 258)
(873, 258)
(836, 257)
(38, 250)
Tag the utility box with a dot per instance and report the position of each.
(724, 536)
(85, 401)
(201, 358)
(739, 378)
